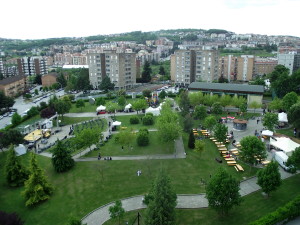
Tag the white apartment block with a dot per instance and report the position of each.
(290, 60)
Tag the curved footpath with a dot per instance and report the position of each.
(192, 201)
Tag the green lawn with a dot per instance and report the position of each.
(253, 207)
(156, 146)
(87, 108)
(84, 189)
(126, 122)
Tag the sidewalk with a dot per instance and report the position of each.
(188, 201)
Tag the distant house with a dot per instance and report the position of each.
(253, 93)
(49, 79)
(13, 86)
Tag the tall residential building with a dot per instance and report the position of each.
(264, 66)
(1, 66)
(32, 65)
(119, 67)
(194, 65)
(228, 67)
(290, 60)
(245, 67)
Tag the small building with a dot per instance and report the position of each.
(13, 86)
(49, 79)
(253, 93)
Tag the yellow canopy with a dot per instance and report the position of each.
(34, 136)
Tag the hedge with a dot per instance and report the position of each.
(282, 215)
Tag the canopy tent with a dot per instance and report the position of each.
(100, 108)
(285, 144)
(267, 133)
(20, 150)
(116, 123)
(154, 111)
(34, 136)
(282, 117)
(128, 106)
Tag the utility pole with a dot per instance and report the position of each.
(139, 218)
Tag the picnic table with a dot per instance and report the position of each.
(240, 168)
(265, 162)
(231, 163)
(219, 143)
(229, 159)
(222, 148)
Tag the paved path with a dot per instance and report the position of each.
(188, 201)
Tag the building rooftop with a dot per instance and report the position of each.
(246, 88)
(10, 80)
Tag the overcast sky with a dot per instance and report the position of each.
(35, 19)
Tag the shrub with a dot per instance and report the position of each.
(149, 114)
(148, 120)
(144, 130)
(142, 139)
(134, 120)
(217, 108)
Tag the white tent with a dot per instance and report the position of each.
(285, 144)
(282, 117)
(154, 111)
(20, 150)
(128, 106)
(267, 133)
(100, 108)
(116, 123)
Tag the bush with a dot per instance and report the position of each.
(144, 130)
(134, 120)
(148, 120)
(217, 108)
(142, 139)
(149, 114)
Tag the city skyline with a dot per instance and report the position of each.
(31, 20)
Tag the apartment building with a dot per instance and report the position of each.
(13, 86)
(245, 67)
(264, 66)
(119, 67)
(32, 65)
(290, 60)
(1, 66)
(7, 71)
(194, 65)
(49, 79)
(228, 67)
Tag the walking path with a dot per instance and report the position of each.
(184, 201)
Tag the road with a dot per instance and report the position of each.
(22, 105)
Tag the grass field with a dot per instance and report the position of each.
(252, 207)
(92, 184)
(126, 122)
(156, 146)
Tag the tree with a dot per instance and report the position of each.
(225, 100)
(62, 160)
(87, 137)
(200, 112)
(280, 81)
(10, 219)
(162, 70)
(112, 107)
(168, 124)
(222, 192)
(80, 103)
(217, 108)
(116, 211)
(38, 79)
(252, 148)
(191, 143)
(210, 122)
(270, 120)
(146, 74)
(33, 111)
(238, 101)
(62, 106)
(276, 104)
(125, 137)
(122, 101)
(288, 100)
(294, 160)
(199, 146)
(100, 101)
(196, 98)
(161, 207)
(293, 115)
(269, 178)
(16, 174)
(37, 188)
(162, 94)
(16, 119)
(36, 91)
(142, 138)
(220, 132)
(5, 101)
(47, 112)
(184, 102)
(139, 105)
(11, 136)
(106, 84)
(83, 82)
(255, 105)
(147, 93)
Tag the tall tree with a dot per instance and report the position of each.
(199, 146)
(276, 104)
(210, 122)
(80, 104)
(62, 106)
(294, 160)
(83, 81)
(184, 102)
(220, 132)
(37, 188)
(225, 100)
(16, 119)
(162, 70)
(222, 192)
(122, 101)
(252, 148)
(191, 142)
(280, 80)
(270, 120)
(139, 105)
(61, 79)
(293, 115)
(62, 160)
(269, 178)
(16, 174)
(11, 136)
(255, 105)
(161, 208)
(106, 84)
(147, 93)
(188, 122)
(125, 137)
(146, 74)
(288, 100)
(196, 98)
(87, 137)
(117, 211)
(217, 108)
(200, 112)
(10, 219)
